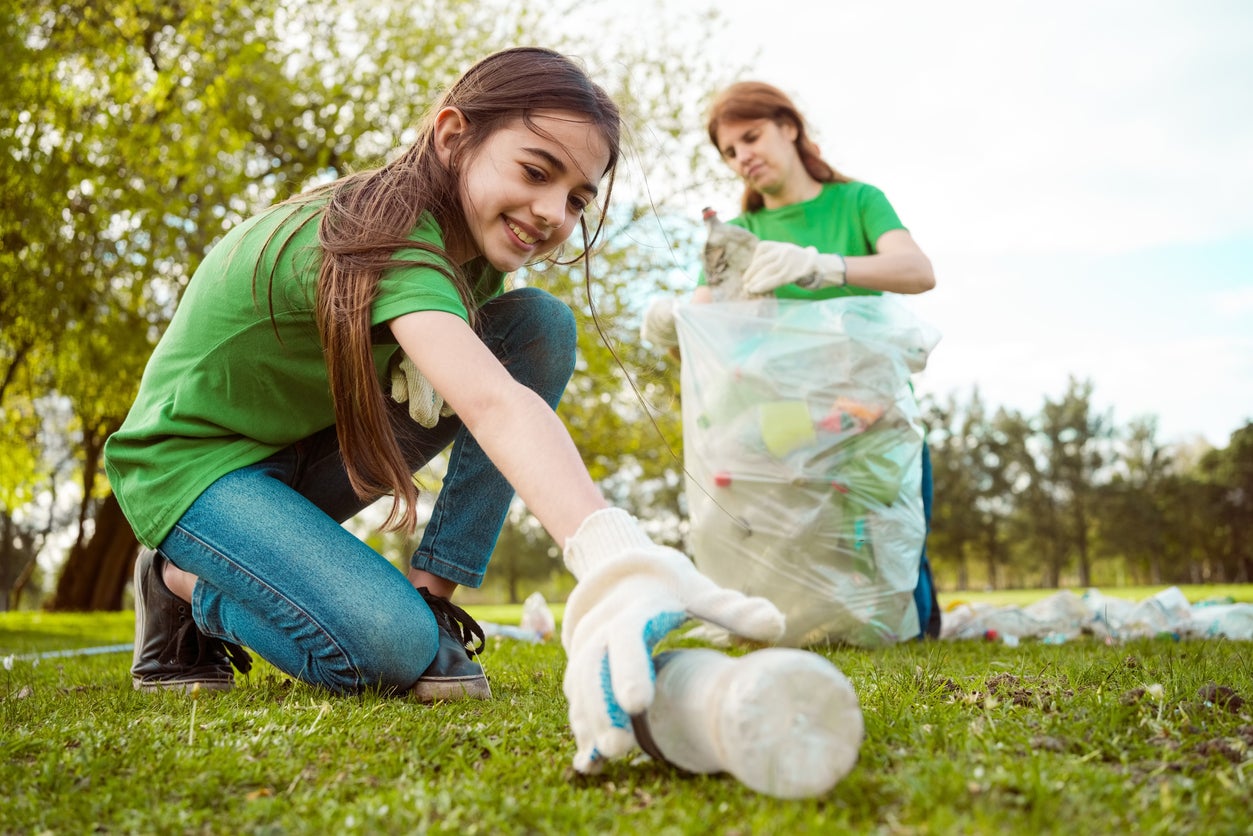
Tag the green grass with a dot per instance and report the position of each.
(961, 737)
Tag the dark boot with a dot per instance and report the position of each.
(454, 675)
(170, 651)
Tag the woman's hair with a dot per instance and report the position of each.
(747, 100)
(369, 216)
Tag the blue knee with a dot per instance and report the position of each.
(535, 336)
(388, 651)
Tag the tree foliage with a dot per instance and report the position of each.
(1068, 497)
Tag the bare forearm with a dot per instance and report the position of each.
(904, 272)
(515, 427)
(528, 443)
(898, 266)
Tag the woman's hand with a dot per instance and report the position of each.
(776, 263)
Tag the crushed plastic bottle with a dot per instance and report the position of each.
(728, 251)
(784, 722)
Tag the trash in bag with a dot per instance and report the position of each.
(803, 447)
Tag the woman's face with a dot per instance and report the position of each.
(525, 188)
(761, 151)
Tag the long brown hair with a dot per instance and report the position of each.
(369, 215)
(747, 100)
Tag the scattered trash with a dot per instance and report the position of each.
(537, 622)
(538, 616)
(508, 631)
(1064, 616)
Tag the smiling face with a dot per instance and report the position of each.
(526, 187)
(762, 152)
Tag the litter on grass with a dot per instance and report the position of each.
(1064, 616)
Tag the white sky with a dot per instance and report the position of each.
(1080, 173)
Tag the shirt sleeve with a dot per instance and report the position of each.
(877, 214)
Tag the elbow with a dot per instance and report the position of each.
(924, 277)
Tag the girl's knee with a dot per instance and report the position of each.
(538, 337)
(388, 653)
(550, 317)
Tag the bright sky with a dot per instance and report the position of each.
(1080, 173)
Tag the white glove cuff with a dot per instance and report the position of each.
(658, 327)
(602, 537)
(829, 269)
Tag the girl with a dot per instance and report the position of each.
(823, 235)
(261, 423)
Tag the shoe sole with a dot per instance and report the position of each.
(139, 611)
(184, 687)
(437, 689)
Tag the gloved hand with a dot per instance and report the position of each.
(410, 385)
(631, 592)
(658, 327)
(776, 263)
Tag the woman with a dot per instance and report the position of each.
(822, 234)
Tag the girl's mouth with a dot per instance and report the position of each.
(521, 234)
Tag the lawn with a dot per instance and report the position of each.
(1151, 736)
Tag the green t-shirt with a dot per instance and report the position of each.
(239, 373)
(845, 218)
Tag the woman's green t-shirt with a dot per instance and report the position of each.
(845, 218)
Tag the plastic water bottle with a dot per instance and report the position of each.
(728, 251)
(784, 722)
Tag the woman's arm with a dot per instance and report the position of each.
(522, 436)
(899, 266)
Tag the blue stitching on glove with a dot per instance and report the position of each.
(617, 717)
(655, 629)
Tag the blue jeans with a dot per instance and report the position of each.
(925, 596)
(280, 575)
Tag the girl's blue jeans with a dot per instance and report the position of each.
(280, 575)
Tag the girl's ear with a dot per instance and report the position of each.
(450, 127)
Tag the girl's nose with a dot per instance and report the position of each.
(550, 211)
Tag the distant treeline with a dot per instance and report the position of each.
(1067, 498)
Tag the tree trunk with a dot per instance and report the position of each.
(963, 573)
(96, 573)
(1081, 544)
(992, 553)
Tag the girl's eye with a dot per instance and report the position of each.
(535, 175)
(577, 203)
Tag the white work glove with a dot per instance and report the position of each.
(776, 263)
(658, 327)
(411, 386)
(631, 592)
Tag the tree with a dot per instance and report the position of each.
(1228, 473)
(954, 445)
(1129, 507)
(1075, 441)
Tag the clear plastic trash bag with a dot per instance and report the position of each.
(803, 447)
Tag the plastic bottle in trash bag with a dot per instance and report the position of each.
(783, 721)
(728, 251)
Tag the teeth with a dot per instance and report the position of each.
(526, 239)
